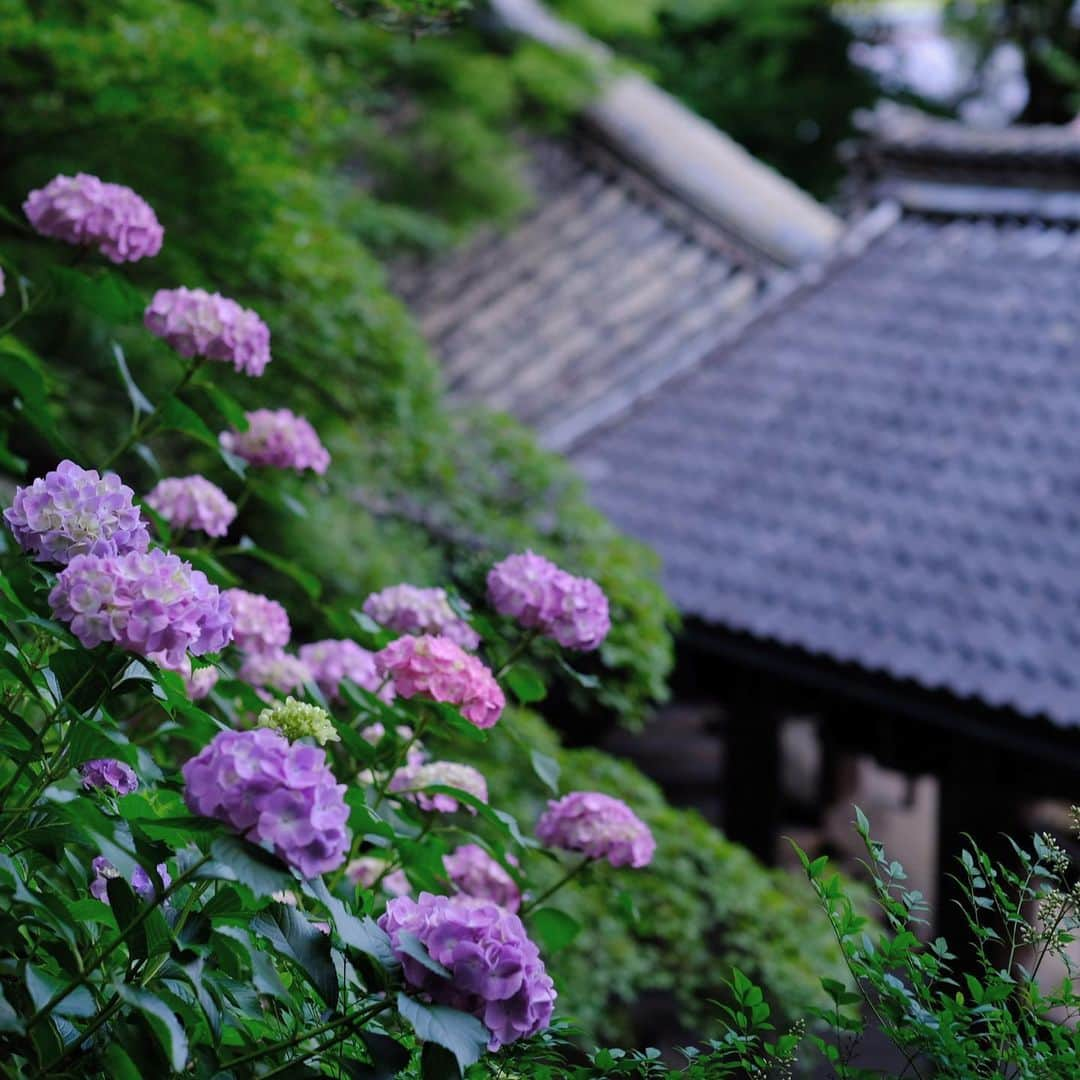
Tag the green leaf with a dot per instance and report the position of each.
(357, 933)
(42, 986)
(547, 769)
(414, 947)
(293, 936)
(163, 1022)
(388, 1056)
(139, 401)
(463, 1035)
(231, 411)
(9, 1019)
(174, 415)
(438, 1063)
(526, 683)
(243, 861)
(554, 928)
(304, 578)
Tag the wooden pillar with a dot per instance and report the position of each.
(752, 796)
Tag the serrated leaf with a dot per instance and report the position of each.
(249, 864)
(163, 1022)
(293, 936)
(463, 1035)
(174, 415)
(42, 985)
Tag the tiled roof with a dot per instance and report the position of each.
(885, 469)
(605, 287)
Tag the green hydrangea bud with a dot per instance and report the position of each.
(295, 720)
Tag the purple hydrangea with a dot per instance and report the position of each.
(475, 873)
(259, 623)
(275, 670)
(3, 283)
(84, 210)
(153, 604)
(332, 661)
(274, 792)
(368, 869)
(408, 609)
(540, 596)
(279, 439)
(417, 775)
(109, 773)
(598, 826)
(75, 511)
(141, 881)
(437, 668)
(495, 970)
(197, 323)
(193, 502)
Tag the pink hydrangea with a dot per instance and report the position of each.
(3, 283)
(368, 869)
(274, 792)
(495, 970)
(193, 502)
(540, 596)
(153, 604)
(109, 773)
(259, 623)
(598, 826)
(475, 873)
(331, 661)
(87, 211)
(141, 882)
(437, 668)
(413, 777)
(75, 511)
(197, 323)
(275, 670)
(408, 609)
(279, 439)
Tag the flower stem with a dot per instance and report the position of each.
(547, 893)
(516, 654)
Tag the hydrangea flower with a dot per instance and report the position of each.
(259, 623)
(278, 439)
(3, 283)
(298, 720)
(200, 681)
(436, 668)
(599, 826)
(475, 873)
(75, 511)
(193, 502)
(197, 323)
(540, 596)
(495, 970)
(275, 670)
(109, 773)
(331, 661)
(366, 870)
(453, 774)
(153, 604)
(273, 792)
(85, 210)
(408, 609)
(141, 881)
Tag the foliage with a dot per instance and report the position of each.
(774, 76)
(287, 148)
(983, 1015)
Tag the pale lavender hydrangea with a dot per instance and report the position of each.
(197, 323)
(3, 283)
(85, 210)
(153, 604)
(275, 670)
(332, 661)
(141, 881)
(193, 502)
(278, 439)
(275, 793)
(437, 668)
(259, 623)
(75, 511)
(109, 773)
(598, 826)
(366, 870)
(475, 873)
(408, 609)
(200, 682)
(496, 972)
(415, 776)
(540, 596)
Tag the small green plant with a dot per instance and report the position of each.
(988, 1015)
